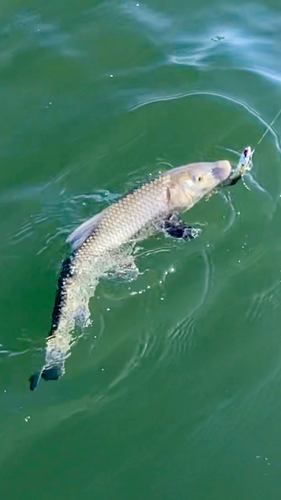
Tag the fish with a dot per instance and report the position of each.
(97, 246)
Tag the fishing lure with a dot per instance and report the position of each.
(245, 161)
(244, 164)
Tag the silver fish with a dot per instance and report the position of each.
(97, 242)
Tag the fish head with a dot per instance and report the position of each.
(192, 182)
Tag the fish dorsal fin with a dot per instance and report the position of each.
(81, 233)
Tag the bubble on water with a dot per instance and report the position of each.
(27, 418)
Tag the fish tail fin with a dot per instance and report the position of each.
(34, 381)
(53, 372)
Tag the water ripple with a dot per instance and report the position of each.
(181, 339)
(151, 19)
(261, 301)
(142, 350)
(153, 99)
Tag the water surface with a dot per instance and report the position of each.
(173, 392)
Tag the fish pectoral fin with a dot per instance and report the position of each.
(178, 229)
(81, 233)
(53, 372)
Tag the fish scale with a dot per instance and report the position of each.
(125, 218)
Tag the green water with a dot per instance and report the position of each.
(174, 391)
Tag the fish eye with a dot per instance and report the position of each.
(200, 178)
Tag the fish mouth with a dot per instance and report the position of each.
(222, 170)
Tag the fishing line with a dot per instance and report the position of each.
(245, 162)
(266, 131)
(246, 158)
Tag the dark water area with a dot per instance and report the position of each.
(173, 391)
